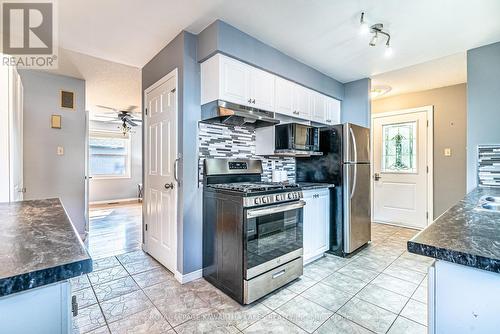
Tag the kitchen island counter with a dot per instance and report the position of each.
(38, 246)
(463, 234)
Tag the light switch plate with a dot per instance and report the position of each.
(447, 152)
(60, 150)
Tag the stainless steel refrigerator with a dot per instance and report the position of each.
(346, 163)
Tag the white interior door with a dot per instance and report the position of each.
(401, 164)
(160, 186)
(16, 128)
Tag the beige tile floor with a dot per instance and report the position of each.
(381, 289)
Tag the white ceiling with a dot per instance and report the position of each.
(321, 33)
(441, 72)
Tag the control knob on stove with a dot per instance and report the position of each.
(278, 197)
(257, 200)
(265, 199)
(290, 195)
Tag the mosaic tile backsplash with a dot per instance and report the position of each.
(227, 141)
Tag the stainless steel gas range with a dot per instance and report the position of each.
(252, 230)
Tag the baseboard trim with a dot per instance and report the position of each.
(189, 276)
(111, 201)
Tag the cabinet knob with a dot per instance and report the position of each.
(253, 101)
(249, 101)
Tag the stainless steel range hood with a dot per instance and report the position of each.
(223, 112)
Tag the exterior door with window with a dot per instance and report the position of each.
(400, 167)
(160, 183)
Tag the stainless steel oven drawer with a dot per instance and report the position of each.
(261, 285)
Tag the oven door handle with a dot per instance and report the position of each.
(253, 213)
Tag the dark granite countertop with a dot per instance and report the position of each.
(38, 246)
(312, 185)
(463, 234)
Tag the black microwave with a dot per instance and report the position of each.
(296, 137)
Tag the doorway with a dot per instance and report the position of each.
(114, 180)
(161, 171)
(402, 179)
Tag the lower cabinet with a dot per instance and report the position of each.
(316, 223)
(462, 299)
(43, 310)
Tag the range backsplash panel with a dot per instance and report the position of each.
(227, 141)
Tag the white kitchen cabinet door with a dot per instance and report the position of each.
(262, 89)
(332, 111)
(319, 108)
(284, 97)
(235, 81)
(316, 223)
(302, 102)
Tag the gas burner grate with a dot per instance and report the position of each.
(253, 187)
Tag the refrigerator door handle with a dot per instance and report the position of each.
(354, 177)
(355, 149)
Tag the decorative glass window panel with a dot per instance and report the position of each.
(109, 154)
(399, 148)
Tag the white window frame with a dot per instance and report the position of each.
(128, 160)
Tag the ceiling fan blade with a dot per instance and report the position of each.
(130, 108)
(131, 123)
(105, 107)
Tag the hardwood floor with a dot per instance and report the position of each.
(114, 229)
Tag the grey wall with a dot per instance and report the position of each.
(450, 120)
(192, 195)
(483, 103)
(181, 54)
(45, 173)
(224, 38)
(121, 188)
(356, 106)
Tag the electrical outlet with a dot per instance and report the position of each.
(447, 152)
(60, 150)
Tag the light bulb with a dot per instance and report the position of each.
(363, 28)
(388, 50)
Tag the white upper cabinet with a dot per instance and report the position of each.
(301, 102)
(225, 78)
(284, 97)
(262, 89)
(234, 83)
(332, 111)
(319, 108)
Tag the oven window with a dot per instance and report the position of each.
(273, 235)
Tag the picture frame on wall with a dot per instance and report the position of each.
(67, 99)
(56, 121)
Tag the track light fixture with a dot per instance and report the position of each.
(376, 29)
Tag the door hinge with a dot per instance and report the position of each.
(427, 123)
(427, 169)
(146, 227)
(427, 215)
(173, 90)
(146, 111)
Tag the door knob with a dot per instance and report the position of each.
(169, 185)
(376, 177)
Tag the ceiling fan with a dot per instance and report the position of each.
(124, 116)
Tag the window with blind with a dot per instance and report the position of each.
(109, 154)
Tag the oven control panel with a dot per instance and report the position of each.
(241, 165)
(271, 198)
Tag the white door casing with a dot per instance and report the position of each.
(403, 197)
(160, 162)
